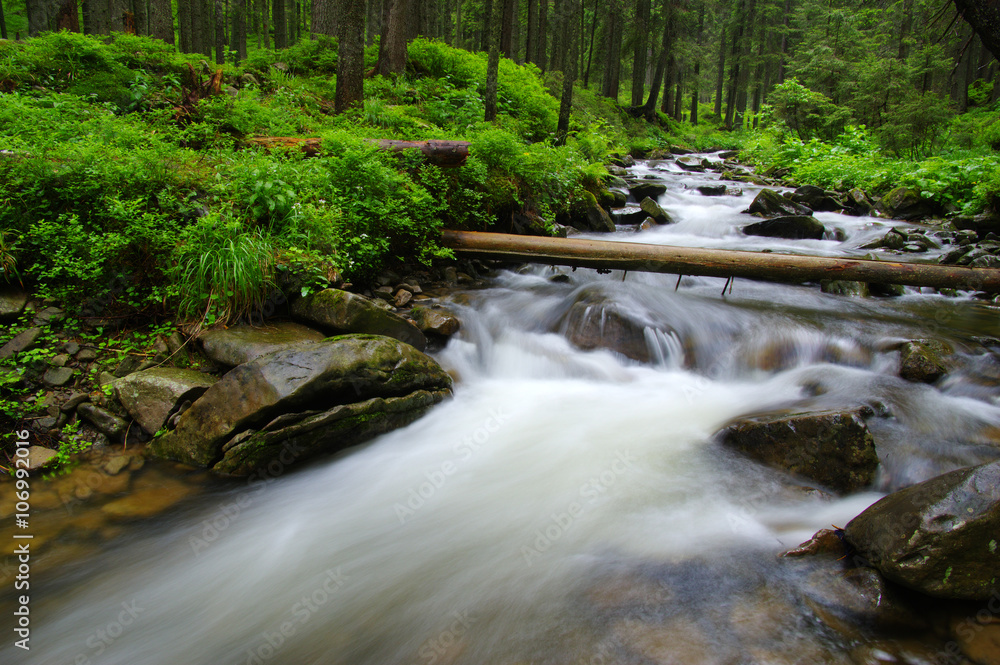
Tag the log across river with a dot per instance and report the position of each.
(589, 253)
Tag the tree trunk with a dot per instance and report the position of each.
(280, 24)
(494, 29)
(238, 32)
(611, 84)
(639, 52)
(324, 18)
(161, 20)
(735, 72)
(220, 33)
(531, 34)
(507, 29)
(696, 82)
(712, 262)
(350, 54)
(667, 105)
(649, 108)
(984, 17)
(459, 37)
(558, 36)
(570, 7)
(392, 58)
(3, 22)
(784, 41)
(543, 33)
(97, 19)
(590, 49)
(720, 73)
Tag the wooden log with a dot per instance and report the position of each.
(439, 153)
(787, 268)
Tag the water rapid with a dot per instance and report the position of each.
(567, 505)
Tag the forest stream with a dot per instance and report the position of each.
(566, 506)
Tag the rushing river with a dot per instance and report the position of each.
(567, 506)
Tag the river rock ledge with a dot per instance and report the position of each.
(940, 537)
(305, 400)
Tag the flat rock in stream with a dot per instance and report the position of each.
(286, 405)
(339, 311)
(940, 537)
(832, 448)
(642, 190)
(241, 344)
(793, 227)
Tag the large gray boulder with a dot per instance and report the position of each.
(795, 227)
(940, 537)
(241, 344)
(907, 204)
(832, 448)
(153, 395)
(769, 203)
(339, 311)
(291, 388)
(12, 303)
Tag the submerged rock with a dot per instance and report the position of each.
(596, 323)
(241, 344)
(297, 393)
(343, 312)
(816, 198)
(832, 448)
(153, 395)
(940, 537)
(794, 227)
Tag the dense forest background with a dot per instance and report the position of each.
(900, 68)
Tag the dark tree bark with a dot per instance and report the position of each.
(720, 72)
(324, 18)
(350, 54)
(590, 49)
(531, 34)
(558, 31)
(484, 32)
(220, 33)
(507, 28)
(736, 70)
(238, 31)
(3, 22)
(392, 57)
(984, 17)
(495, 30)
(667, 106)
(97, 17)
(570, 7)
(543, 33)
(784, 42)
(161, 20)
(611, 83)
(696, 82)
(280, 24)
(649, 108)
(639, 54)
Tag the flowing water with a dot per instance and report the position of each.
(567, 506)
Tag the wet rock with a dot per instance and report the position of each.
(49, 315)
(824, 541)
(921, 362)
(769, 203)
(12, 303)
(59, 360)
(980, 224)
(844, 288)
(653, 210)
(403, 298)
(343, 312)
(593, 323)
(881, 290)
(72, 348)
(940, 537)
(104, 421)
(861, 597)
(832, 448)
(646, 225)
(906, 204)
(153, 395)
(680, 640)
(792, 227)
(711, 190)
(590, 216)
(985, 262)
(643, 189)
(299, 383)
(691, 164)
(75, 400)
(147, 501)
(58, 376)
(128, 365)
(116, 464)
(241, 344)
(615, 169)
(815, 198)
(857, 203)
(39, 456)
(630, 217)
(435, 321)
(979, 640)
(21, 342)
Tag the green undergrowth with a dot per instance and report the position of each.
(126, 188)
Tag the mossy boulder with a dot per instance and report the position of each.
(793, 227)
(922, 361)
(653, 209)
(294, 384)
(336, 311)
(832, 448)
(153, 395)
(906, 204)
(940, 537)
(769, 203)
(241, 344)
(589, 216)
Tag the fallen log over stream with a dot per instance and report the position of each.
(439, 153)
(789, 268)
